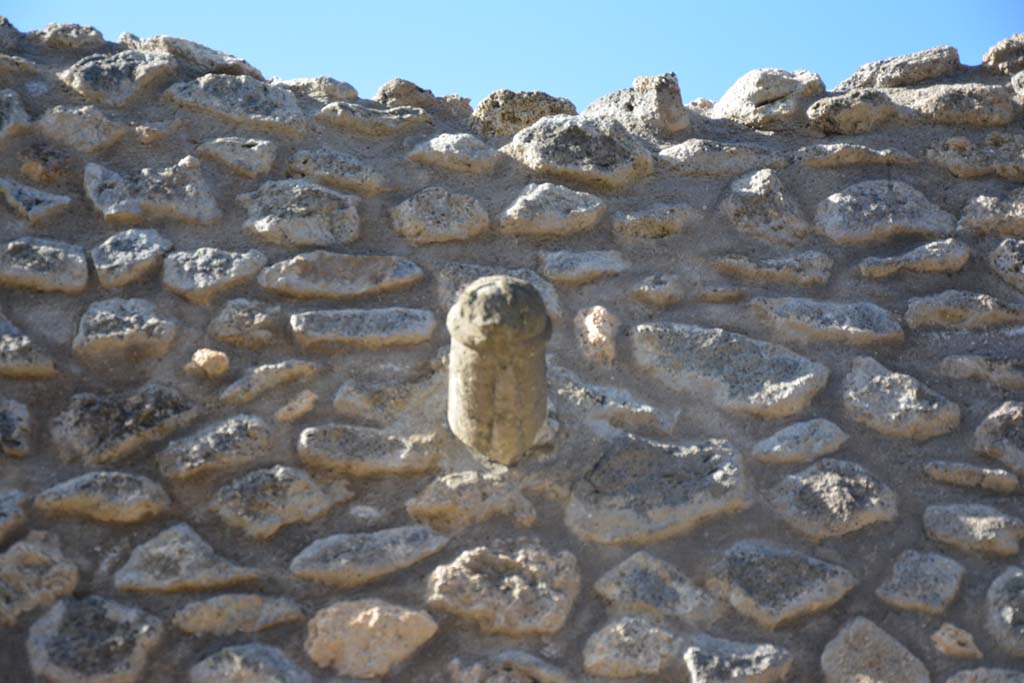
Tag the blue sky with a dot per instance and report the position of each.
(579, 50)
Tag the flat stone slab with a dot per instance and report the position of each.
(30, 203)
(337, 169)
(803, 269)
(231, 613)
(774, 585)
(226, 445)
(629, 646)
(177, 559)
(365, 451)
(15, 426)
(925, 582)
(550, 209)
(581, 267)
(996, 154)
(739, 374)
(249, 157)
(759, 206)
(373, 121)
(1004, 619)
(714, 660)
(1001, 435)
(262, 379)
(349, 560)
(645, 584)
(92, 640)
(799, 320)
(129, 256)
(942, 256)
(247, 323)
(579, 149)
(262, 501)
(204, 273)
(43, 265)
(641, 490)
(370, 328)
(117, 79)
(435, 215)
(178, 192)
(895, 404)
(958, 309)
(515, 590)
(862, 651)
(298, 213)
(108, 496)
(832, 498)
(96, 429)
(801, 442)
(698, 156)
(330, 275)
(34, 573)
(20, 357)
(241, 99)
(248, 663)
(126, 328)
(974, 527)
(86, 128)
(874, 211)
(459, 152)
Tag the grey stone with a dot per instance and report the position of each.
(971, 476)
(926, 582)
(13, 117)
(109, 496)
(1002, 215)
(909, 69)
(804, 268)
(117, 79)
(202, 57)
(365, 451)
(580, 267)
(92, 640)
(702, 157)
(652, 108)
(808, 320)
(974, 527)
(250, 157)
(226, 445)
(460, 500)
(986, 675)
(612, 405)
(43, 265)
(370, 328)
(323, 89)
(241, 100)
(178, 192)
(642, 490)
(505, 112)
(96, 429)
(953, 641)
(453, 278)
(1007, 260)
(878, 210)
(373, 121)
(34, 573)
(843, 154)
(459, 152)
(801, 442)
(201, 275)
(30, 203)
(860, 110)
(298, 213)
(510, 589)
(261, 379)
(12, 512)
(739, 374)
(177, 559)
(549, 209)
(584, 150)
(20, 357)
(393, 403)
(86, 129)
(714, 660)
(862, 651)
(960, 310)
(337, 169)
(998, 153)
(14, 428)
(1004, 611)
(248, 663)
(628, 647)
(655, 222)
(1006, 372)
(435, 215)
(323, 274)
(769, 99)
(129, 256)
(125, 328)
(1001, 435)
(1006, 56)
(69, 37)
(247, 323)
(774, 585)
(231, 613)
(895, 404)
(507, 666)
(759, 206)
(943, 256)
(350, 560)
(645, 584)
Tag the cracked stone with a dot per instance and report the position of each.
(201, 275)
(261, 379)
(957, 309)
(460, 500)
(12, 512)
(641, 490)
(323, 274)
(1007, 261)
(925, 582)
(350, 560)
(30, 203)
(739, 373)
(298, 213)
(129, 256)
(43, 265)
(505, 112)
(1001, 435)
(655, 222)
(713, 158)
(645, 584)
(904, 70)
(96, 429)
(972, 476)
(714, 660)
(452, 278)
(436, 215)
(651, 109)
(123, 327)
(226, 445)
(974, 528)
(116, 79)
(862, 651)
(943, 256)
(878, 210)
(801, 442)
(14, 428)
(579, 149)
(832, 498)
(808, 320)
(804, 269)
(248, 663)
(34, 573)
(20, 358)
(86, 129)
(507, 589)
(774, 585)
(110, 496)
(250, 157)
(262, 501)
(177, 192)
(337, 169)
(177, 559)
(92, 640)
(628, 647)
(231, 613)
(580, 267)
(842, 154)
(459, 152)
(1000, 154)
(895, 404)
(370, 328)
(247, 323)
(769, 99)
(241, 100)
(366, 638)
(373, 121)
(365, 451)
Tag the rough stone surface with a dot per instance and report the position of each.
(957, 309)
(879, 210)
(20, 356)
(628, 647)
(986, 675)
(371, 328)
(655, 222)
(769, 99)
(974, 528)
(714, 660)
(249, 663)
(459, 152)
(373, 121)
(943, 256)
(549, 209)
(459, 500)
(801, 442)
(109, 496)
(1001, 435)
(337, 169)
(330, 275)
(1007, 260)
(86, 128)
(953, 641)
(115, 79)
(580, 267)
(505, 112)
(34, 573)
(1002, 215)
(229, 444)
(231, 613)
(437, 215)
(652, 108)
(123, 328)
(43, 265)
(1004, 372)
(804, 269)
(15, 426)
(12, 512)
(1004, 619)
(201, 275)
(759, 206)
(178, 192)
(905, 69)
(1006, 56)
(129, 256)
(298, 213)
(808, 320)
(31, 203)
(250, 157)
(240, 99)
(645, 584)
(702, 157)
(995, 154)
(972, 476)
(247, 323)
(261, 379)
(926, 582)
(365, 451)
(843, 154)
(862, 651)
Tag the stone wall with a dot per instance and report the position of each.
(785, 424)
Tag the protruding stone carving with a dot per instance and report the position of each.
(497, 392)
